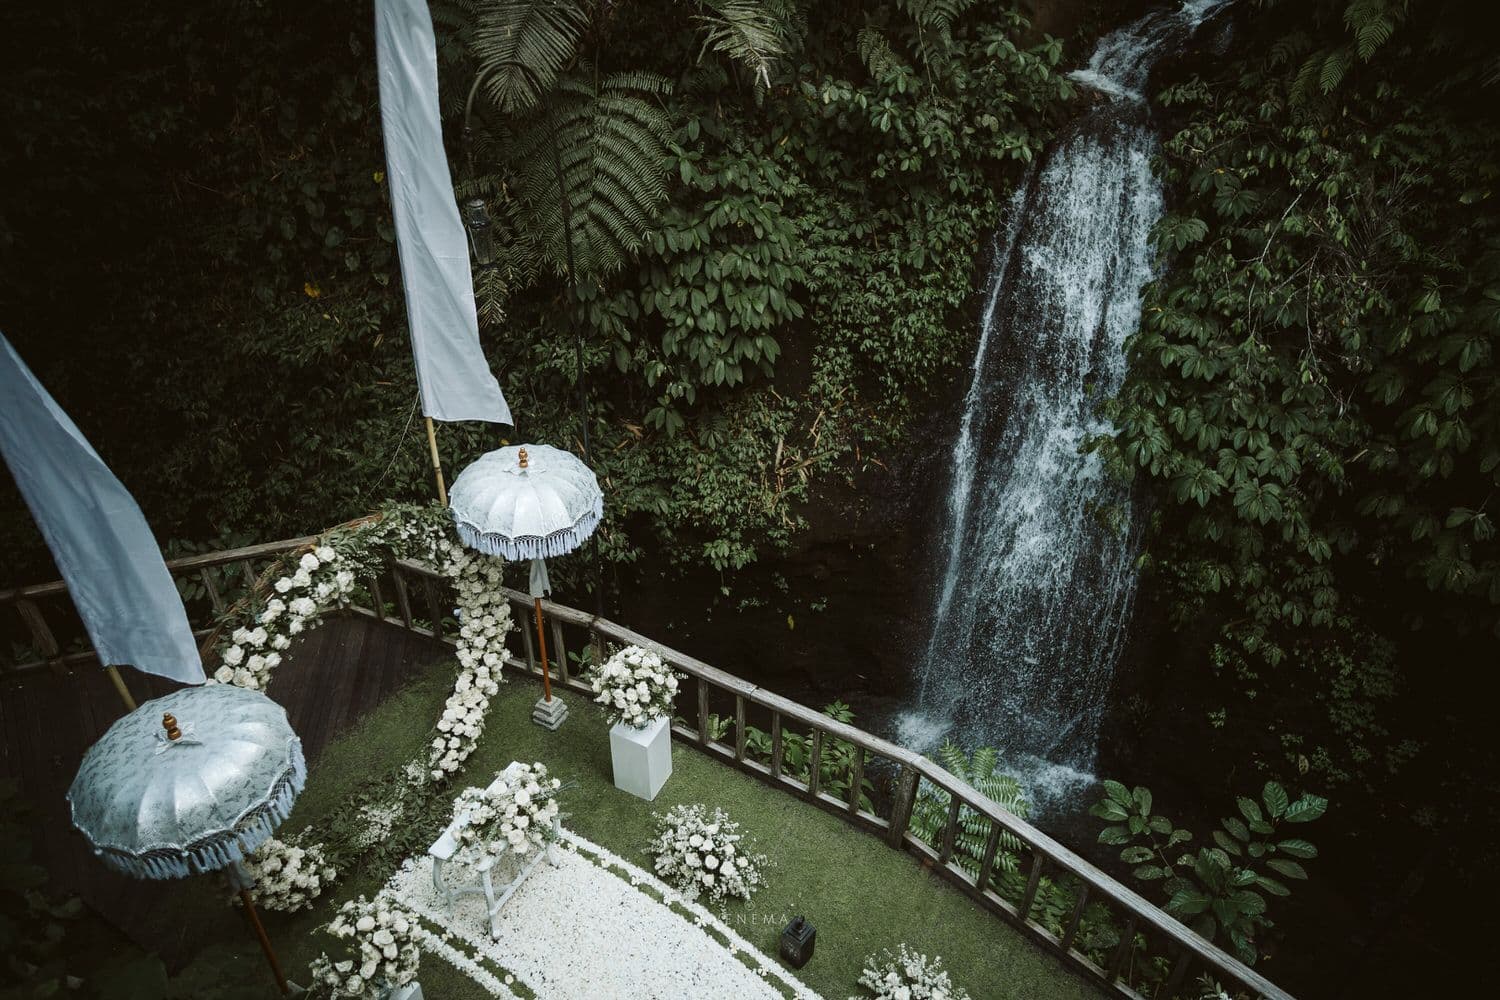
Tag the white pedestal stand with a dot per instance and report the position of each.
(642, 758)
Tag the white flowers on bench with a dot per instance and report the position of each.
(699, 853)
(514, 813)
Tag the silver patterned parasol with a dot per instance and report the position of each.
(158, 798)
(157, 807)
(526, 502)
(529, 502)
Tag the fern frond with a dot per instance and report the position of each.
(748, 31)
(876, 53)
(610, 142)
(521, 46)
(1372, 22)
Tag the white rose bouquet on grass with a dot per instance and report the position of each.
(703, 854)
(517, 816)
(383, 936)
(635, 687)
(288, 877)
(908, 975)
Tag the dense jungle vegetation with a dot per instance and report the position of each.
(1314, 404)
(777, 212)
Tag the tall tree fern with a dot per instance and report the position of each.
(608, 140)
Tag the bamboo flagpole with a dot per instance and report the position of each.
(437, 465)
(119, 683)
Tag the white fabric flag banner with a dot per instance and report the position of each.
(98, 536)
(454, 377)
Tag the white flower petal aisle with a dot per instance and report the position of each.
(598, 926)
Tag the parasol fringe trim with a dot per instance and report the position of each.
(558, 543)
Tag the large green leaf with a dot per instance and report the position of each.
(1275, 798)
(1306, 809)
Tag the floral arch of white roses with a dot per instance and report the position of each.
(324, 577)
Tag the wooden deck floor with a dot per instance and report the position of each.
(332, 677)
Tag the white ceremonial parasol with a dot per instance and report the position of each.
(158, 798)
(528, 502)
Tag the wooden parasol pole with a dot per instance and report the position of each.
(265, 942)
(437, 465)
(119, 683)
(541, 639)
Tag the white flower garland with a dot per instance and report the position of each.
(635, 687)
(386, 938)
(324, 577)
(517, 815)
(288, 877)
(702, 854)
(908, 975)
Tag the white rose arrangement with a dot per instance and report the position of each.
(383, 936)
(703, 854)
(484, 621)
(254, 649)
(635, 687)
(908, 975)
(517, 816)
(288, 877)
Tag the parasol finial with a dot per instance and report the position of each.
(522, 456)
(169, 723)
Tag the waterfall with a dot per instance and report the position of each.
(1036, 589)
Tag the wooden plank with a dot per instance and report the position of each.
(377, 596)
(560, 651)
(403, 597)
(1071, 931)
(778, 745)
(1038, 862)
(950, 830)
(1122, 951)
(857, 779)
(702, 711)
(906, 792)
(815, 763)
(987, 862)
(214, 597)
(739, 727)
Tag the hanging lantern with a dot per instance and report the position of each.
(481, 236)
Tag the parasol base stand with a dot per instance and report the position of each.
(549, 714)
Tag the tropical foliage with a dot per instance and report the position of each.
(1222, 888)
(776, 210)
(1313, 396)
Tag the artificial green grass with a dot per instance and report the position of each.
(860, 894)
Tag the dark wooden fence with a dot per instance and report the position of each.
(1112, 935)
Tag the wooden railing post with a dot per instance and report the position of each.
(906, 793)
(857, 779)
(739, 728)
(815, 764)
(950, 830)
(778, 745)
(1038, 861)
(702, 712)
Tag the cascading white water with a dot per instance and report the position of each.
(1036, 589)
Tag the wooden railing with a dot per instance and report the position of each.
(1113, 936)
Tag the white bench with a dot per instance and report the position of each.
(446, 846)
